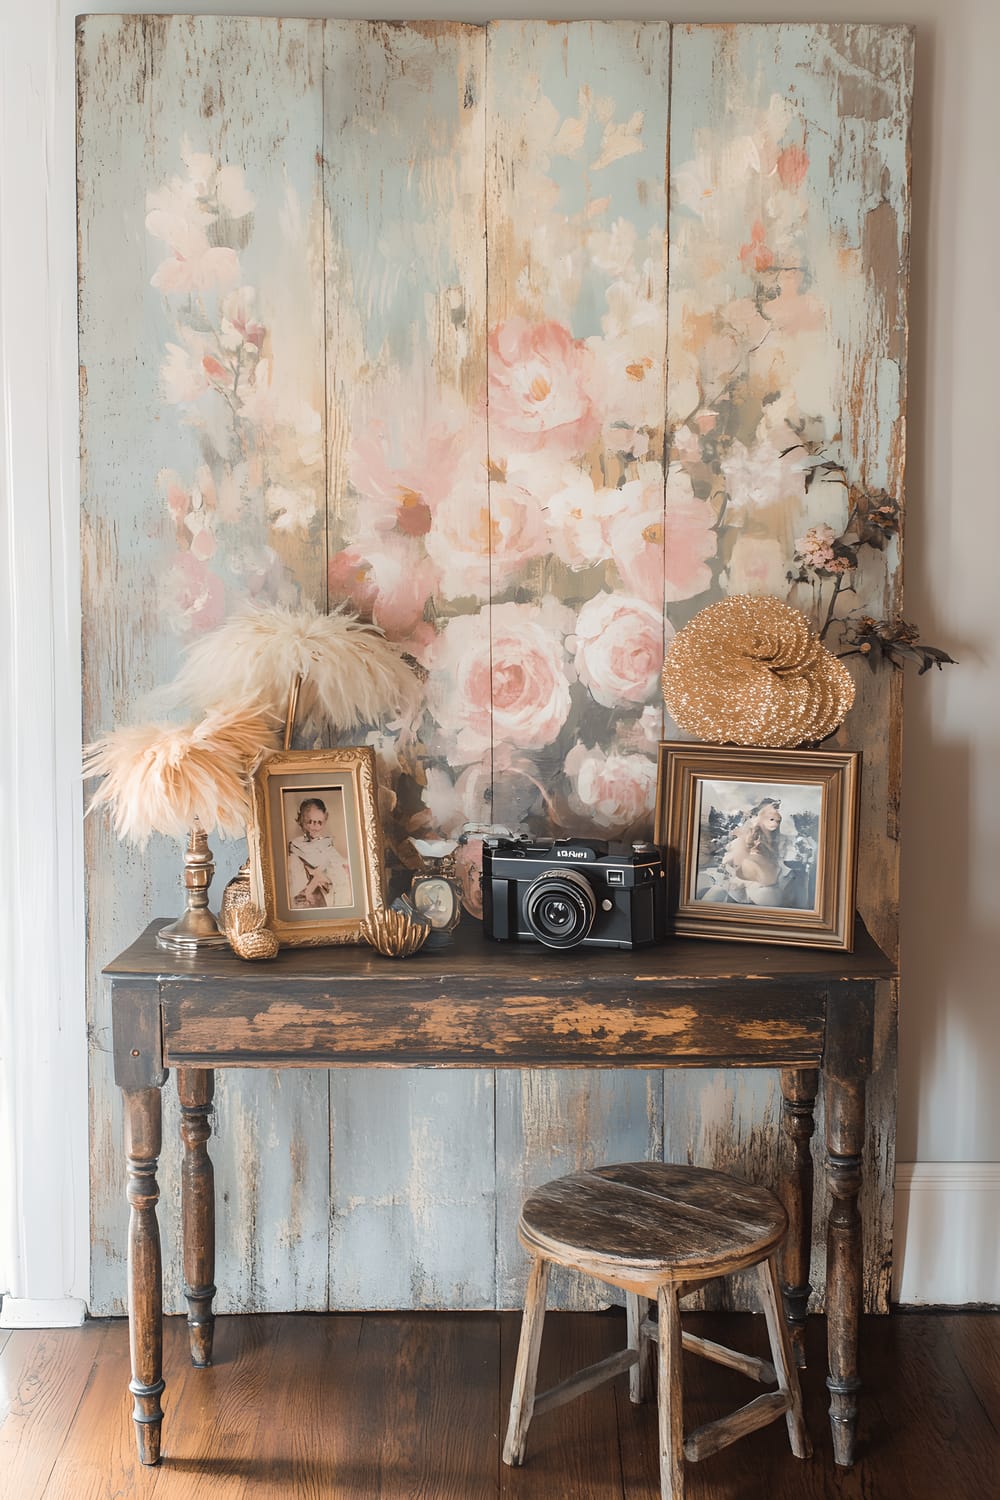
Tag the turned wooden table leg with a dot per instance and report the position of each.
(845, 1133)
(846, 1064)
(195, 1088)
(145, 1294)
(798, 1088)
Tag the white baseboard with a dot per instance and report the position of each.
(42, 1312)
(947, 1233)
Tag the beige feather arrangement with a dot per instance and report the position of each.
(344, 671)
(165, 778)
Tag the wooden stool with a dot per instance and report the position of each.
(657, 1232)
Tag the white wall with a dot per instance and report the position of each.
(948, 1185)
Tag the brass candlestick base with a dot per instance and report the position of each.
(197, 928)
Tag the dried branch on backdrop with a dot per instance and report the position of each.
(350, 674)
(165, 778)
(896, 641)
(828, 558)
(750, 670)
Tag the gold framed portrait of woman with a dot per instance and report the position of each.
(316, 857)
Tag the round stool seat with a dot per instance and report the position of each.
(652, 1220)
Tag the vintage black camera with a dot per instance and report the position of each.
(571, 892)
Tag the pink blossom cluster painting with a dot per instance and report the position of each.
(543, 466)
(525, 340)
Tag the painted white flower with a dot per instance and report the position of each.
(758, 477)
(614, 792)
(182, 374)
(578, 515)
(290, 510)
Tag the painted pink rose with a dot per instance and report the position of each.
(538, 390)
(661, 539)
(390, 581)
(480, 540)
(620, 648)
(612, 792)
(407, 466)
(502, 677)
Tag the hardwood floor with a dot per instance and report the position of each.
(413, 1406)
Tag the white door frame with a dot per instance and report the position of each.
(44, 1154)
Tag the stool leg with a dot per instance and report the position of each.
(783, 1356)
(670, 1396)
(522, 1400)
(640, 1377)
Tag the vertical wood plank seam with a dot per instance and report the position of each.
(487, 116)
(666, 340)
(666, 440)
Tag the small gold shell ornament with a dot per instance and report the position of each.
(248, 936)
(751, 670)
(235, 895)
(394, 934)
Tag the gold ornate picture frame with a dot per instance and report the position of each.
(761, 844)
(317, 867)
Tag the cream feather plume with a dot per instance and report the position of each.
(350, 673)
(162, 778)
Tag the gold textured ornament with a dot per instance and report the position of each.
(249, 936)
(394, 934)
(235, 895)
(751, 670)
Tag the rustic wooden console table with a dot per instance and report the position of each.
(482, 1004)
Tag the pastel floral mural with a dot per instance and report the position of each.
(527, 341)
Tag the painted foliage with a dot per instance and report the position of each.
(565, 368)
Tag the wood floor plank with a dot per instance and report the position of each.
(974, 1342)
(423, 1415)
(572, 1452)
(212, 1415)
(300, 1441)
(942, 1439)
(43, 1376)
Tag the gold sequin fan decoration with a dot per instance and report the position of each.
(752, 671)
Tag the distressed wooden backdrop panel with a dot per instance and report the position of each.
(788, 248)
(502, 334)
(413, 1208)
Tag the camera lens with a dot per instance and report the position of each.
(559, 908)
